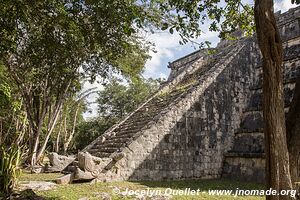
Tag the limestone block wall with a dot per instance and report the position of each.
(246, 160)
(288, 24)
(180, 65)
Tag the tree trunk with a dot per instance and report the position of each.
(65, 133)
(71, 135)
(58, 134)
(52, 123)
(277, 158)
(35, 144)
(293, 131)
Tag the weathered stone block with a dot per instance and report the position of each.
(59, 162)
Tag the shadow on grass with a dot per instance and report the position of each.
(26, 195)
(48, 177)
(203, 185)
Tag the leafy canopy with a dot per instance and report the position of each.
(117, 99)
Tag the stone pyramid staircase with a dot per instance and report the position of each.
(137, 135)
(126, 131)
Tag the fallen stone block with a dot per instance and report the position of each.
(66, 179)
(35, 185)
(83, 175)
(87, 162)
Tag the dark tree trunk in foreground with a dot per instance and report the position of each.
(293, 133)
(277, 157)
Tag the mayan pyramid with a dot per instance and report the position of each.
(206, 120)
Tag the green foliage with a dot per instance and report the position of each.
(47, 46)
(88, 131)
(64, 35)
(186, 17)
(238, 17)
(5, 88)
(114, 102)
(9, 167)
(7, 100)
(11, 110)
(118, 99)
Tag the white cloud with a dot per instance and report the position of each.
(162, 76)
(165, 43)
(168, 49)
(283, 5)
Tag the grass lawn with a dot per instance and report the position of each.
(92, 191)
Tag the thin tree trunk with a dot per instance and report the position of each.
(1, 130)
(36, 116)
(52, 123)
(36, 142)
(22, 130)
(277, 158)
(66, 134)
(58, 134)
(67, 143)
(57, 141)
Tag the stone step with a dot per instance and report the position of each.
(108, 145)
(110, 142)
(156, 104)
(259, 109)
(124, 136)
(291, 52)
(255, 101)
(116, 140)
(138, 118)
(129, 131)
(108, 149)
(251, 122)
(244, 155)
(248, 143)
(250, 169)
(121, 138)
(286, 81)
(251, 133)
(101, 154)
(92, 150)
(132, 126)
(147, 111)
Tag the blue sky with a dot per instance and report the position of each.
(168, 49)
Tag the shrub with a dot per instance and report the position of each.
(9, 167)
